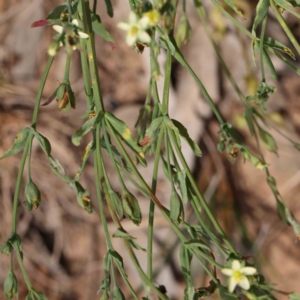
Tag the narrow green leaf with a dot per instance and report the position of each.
(184, 133)
(131, 207)
(89, 149)
(180, 179)
(151, 132)
(124, 132)
(56, 12)
(43, 141)
(19, 143)
(185, 258)
(168, 43)
(99, 29)
(268, 140)
(249, 119)
(115, 203)
(29, 296)
(234, 7)
(274, 44)
(117, 293)
(85, 128)
(262, 8)
(176, 207)
(197, 243)
(268, 62)
(109, 8)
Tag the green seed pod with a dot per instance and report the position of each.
(10, 285)
(183, 34)
(32, 195)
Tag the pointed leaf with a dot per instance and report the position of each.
(115, 203)
(43, 141)
(268, 62)
(184, 133)
(124, 132)
(268, 140)
(279, 46)
(151, 132)
(117, 293)
(85, 128)
(57, 11)
(176, 208)
(131, 207)
(19, 143)
(109, 8)
(234, 7)
(99, 29)
(180, 178)
(249, 119)
(89, 149)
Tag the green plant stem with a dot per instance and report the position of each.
(285, 27)
(85, 73)
(18, 187)
(143, 276)
(92, 56)
(261, 49)
(20, 260)
(152, 206)
(98, 175)
(200, 196)
(67, 69)
(69, 10)
(163, 210)
(40, 92)
(165, 103)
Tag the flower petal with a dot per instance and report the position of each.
(58, 28)
(248, 271)
(123, 25)
(130, 39)
(143, 22)
(132, 18)
(144, 37)
(83, 35)
(244, 283)
(75, 22)
(236, 265)
(227, 272)
(232, 284)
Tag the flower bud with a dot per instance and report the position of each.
(131, 207)
(10, 285)
(184, 31)
(53, 48)
(32, 195)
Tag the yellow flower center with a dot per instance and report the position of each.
(238, 276)
(153, 17)
(133, 30)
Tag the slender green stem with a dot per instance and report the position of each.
(200, 196)
(163, 210)
(95, 6)
(152, 206)
(261, 49)
(167, 82)
(92, 56)
(18, 186)
(67, 69)
(69, 10)
(285, 27)
(40, 92)
(20, 260)
(85, 73)
(98, 175)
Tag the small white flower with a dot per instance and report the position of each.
(60, 29)
(151, 17)
(136, 29)
(238, 275)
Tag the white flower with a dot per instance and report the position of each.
(60, 29)
(152, 17)
(238, 276)
(136, 29)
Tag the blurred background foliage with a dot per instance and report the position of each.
(64, 246)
